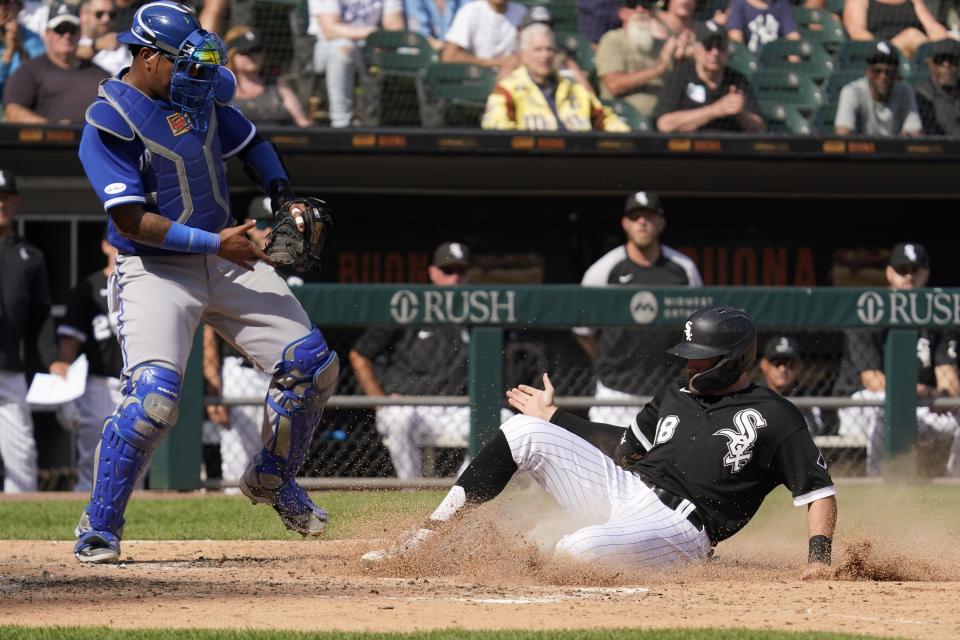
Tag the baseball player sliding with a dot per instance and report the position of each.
(153, 149)
(691, 470)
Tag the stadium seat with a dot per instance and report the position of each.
(710, 8)
(577, 46)
(394, 60)
(812, 60)
(454, 94)
(822, 119)
(830, 37)
(836, 6)
(634, 119)
(853, 54)
(741, 60)
(790, 87)
(838, 81)
(806, 17)
(784, 118)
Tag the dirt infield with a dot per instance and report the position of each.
(321, 585)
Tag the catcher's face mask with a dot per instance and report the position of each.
(195, 76)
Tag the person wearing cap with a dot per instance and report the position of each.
(431, 18)
(565, 61)
(705, 94)
(58, 86)
(862, 375)
(24, 306)
(754, 23)
(484, 32)
(907, 24)
(266, 102)
(98, 42)
(17, 43)
(629, 362)
(938, 97)
(419, 361)
(633, 60)
(534, 97)
(341, 27)
(878, 104)
(781, 364)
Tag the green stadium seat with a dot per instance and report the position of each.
(741, 59)
(577, 46)
(394, 60)
(838, 81)
(836, 6)
(784, 118)
(787, 87)
(710, 8)
(805, 17)
(813, 60)
(853, 54)
(822, 119)
(634, 119)
(830, 37)
(454, 94)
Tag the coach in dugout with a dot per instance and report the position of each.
(534, 97)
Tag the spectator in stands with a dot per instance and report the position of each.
(596, 17)
(631, 362)
(89, 329)
(340, 27)
(938, 98)
(484, 32)
(432, 18)
(17, 43)
(565, 62)
(97, 42)
(780, 368)
(266, 102)
(56, 87)
(420, 361)
(706, 95)
(905, 23)
(878, 104)
(25, 300)
(633, 60)
(756, 22)
(862, 372)
(534, 97)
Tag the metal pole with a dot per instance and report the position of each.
(486, 384)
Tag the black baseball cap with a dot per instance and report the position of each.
(945, 49)
(909, 253)
(884, 53)
(710, 33)
(538, 14)
(61, 13)
(8, 182)
(451, 253)
(246, 42)
(645, 200)
(782, 348)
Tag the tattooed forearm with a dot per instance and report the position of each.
(140, 226)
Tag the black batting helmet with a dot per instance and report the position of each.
(722, 331)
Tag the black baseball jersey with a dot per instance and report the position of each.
(24, 299)
(634, 360)
(428, 360)
(726, 453)
(88, 320)
(863, 351)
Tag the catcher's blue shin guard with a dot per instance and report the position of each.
(129, 438)
(303, 381)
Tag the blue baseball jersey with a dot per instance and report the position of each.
(167, 167)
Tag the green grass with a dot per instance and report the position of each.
(102, 633)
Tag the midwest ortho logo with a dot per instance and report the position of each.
(909, 308)
(454, 306)
(644, 307)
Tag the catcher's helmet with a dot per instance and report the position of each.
(196, 54)
(722, 331)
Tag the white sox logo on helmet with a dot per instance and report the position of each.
(741, 440)
(688, 331)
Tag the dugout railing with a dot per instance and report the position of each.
(490, 313)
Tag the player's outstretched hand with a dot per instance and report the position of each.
(816, 571)
(236, 247)
(534, 402)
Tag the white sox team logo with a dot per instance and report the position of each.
(742, 439)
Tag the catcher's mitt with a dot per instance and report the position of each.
(288, 246)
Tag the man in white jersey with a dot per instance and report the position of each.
(484, 32)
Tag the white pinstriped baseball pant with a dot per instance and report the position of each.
(242, 440)
(85, 416)
(632, 528)
(17, 445)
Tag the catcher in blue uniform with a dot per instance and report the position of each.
(154, 149)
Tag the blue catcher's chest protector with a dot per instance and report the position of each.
(184, 175)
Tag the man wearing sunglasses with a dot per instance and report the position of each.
(780, 368)
(878, 104)
(97, 41)
(938, 97)
(155, 149)
(56, 87)
(862, 372)
(706, 95)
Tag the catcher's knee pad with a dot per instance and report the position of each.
(303, 381)
(130, 435)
